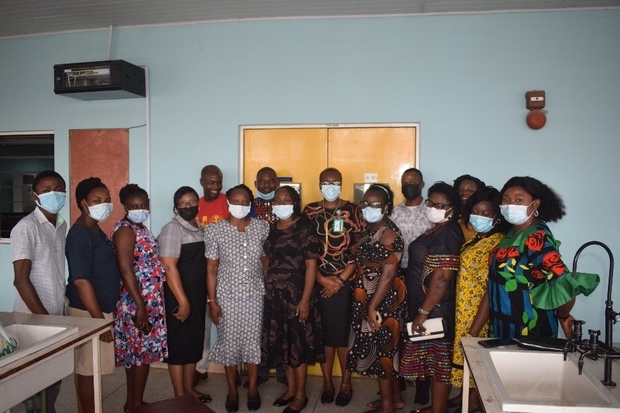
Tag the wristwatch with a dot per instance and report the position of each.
(423, 311)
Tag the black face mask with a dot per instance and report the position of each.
(188, 213)
(411, 191)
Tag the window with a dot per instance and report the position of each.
(22, 156)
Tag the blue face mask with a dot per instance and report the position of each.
(330, 192)
(372, 215)
(137, 216)
(481, 224)
(52, 201)
(100, 212)
(266, 197)
(283, 211)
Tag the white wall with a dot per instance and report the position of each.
(463, 77)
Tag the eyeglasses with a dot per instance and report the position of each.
(437, 205)
(376, 204)
(336, 183)
(189, 204)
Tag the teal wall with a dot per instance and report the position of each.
(463, 77)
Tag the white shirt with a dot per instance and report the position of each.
(34, 238)
(412, 223)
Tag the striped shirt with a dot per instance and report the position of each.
(34, 238)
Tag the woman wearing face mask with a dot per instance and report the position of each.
(338, 224)
(466, 185)
(235, 288)
(183, 253)
(93, 286)
(140, 317)
(472, 313)
(527, 265)
(292, 333)
(379, 294)
(433, 264)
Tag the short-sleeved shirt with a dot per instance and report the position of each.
(176, 233)
(34, 238)
(90, 256)
(240, 269)
(412, 222)
(336, 246)
(210, 212)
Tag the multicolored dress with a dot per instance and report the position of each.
(376, 353)
(285, 339)
(471, 284)
(134, 347)
(527, 281)
(437, 249)
(334, 254)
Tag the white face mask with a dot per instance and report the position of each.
(330, 192)
(239, 211)
(138, 216)
(436, 216)
(283, 211)
(372, 215)
(100, 212)
(515, 214)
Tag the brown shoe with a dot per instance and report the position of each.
(198, 377)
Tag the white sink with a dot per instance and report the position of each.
(29, 378)
(542, 382)
(33, 338)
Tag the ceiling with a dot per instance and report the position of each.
(31, 17)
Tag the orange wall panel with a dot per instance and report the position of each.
(297, 153)
(102, 153)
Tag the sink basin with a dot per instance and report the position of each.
(33, 338)
(29, 378)
(542, 382)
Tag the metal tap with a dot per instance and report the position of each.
(611, 316)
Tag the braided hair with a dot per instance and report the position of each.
(85, 186)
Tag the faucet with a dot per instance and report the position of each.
(611, 318)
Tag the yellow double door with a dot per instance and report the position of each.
(361, 154)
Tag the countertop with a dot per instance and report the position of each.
(87, 329)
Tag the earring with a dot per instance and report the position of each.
(536, 213)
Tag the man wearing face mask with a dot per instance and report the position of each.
(38, 252)
(266, 184)
(212, 208)
(410, 218)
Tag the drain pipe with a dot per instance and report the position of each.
(147, 144)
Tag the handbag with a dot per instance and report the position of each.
(435, 328)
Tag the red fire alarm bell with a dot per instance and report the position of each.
(535, 102)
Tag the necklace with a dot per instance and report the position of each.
(328, 219)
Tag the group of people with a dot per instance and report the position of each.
(288, 286)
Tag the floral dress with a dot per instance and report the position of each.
(376, 353)
(471, 284)
(521, 262)
(134, 347)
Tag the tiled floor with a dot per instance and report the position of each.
(159, 388)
